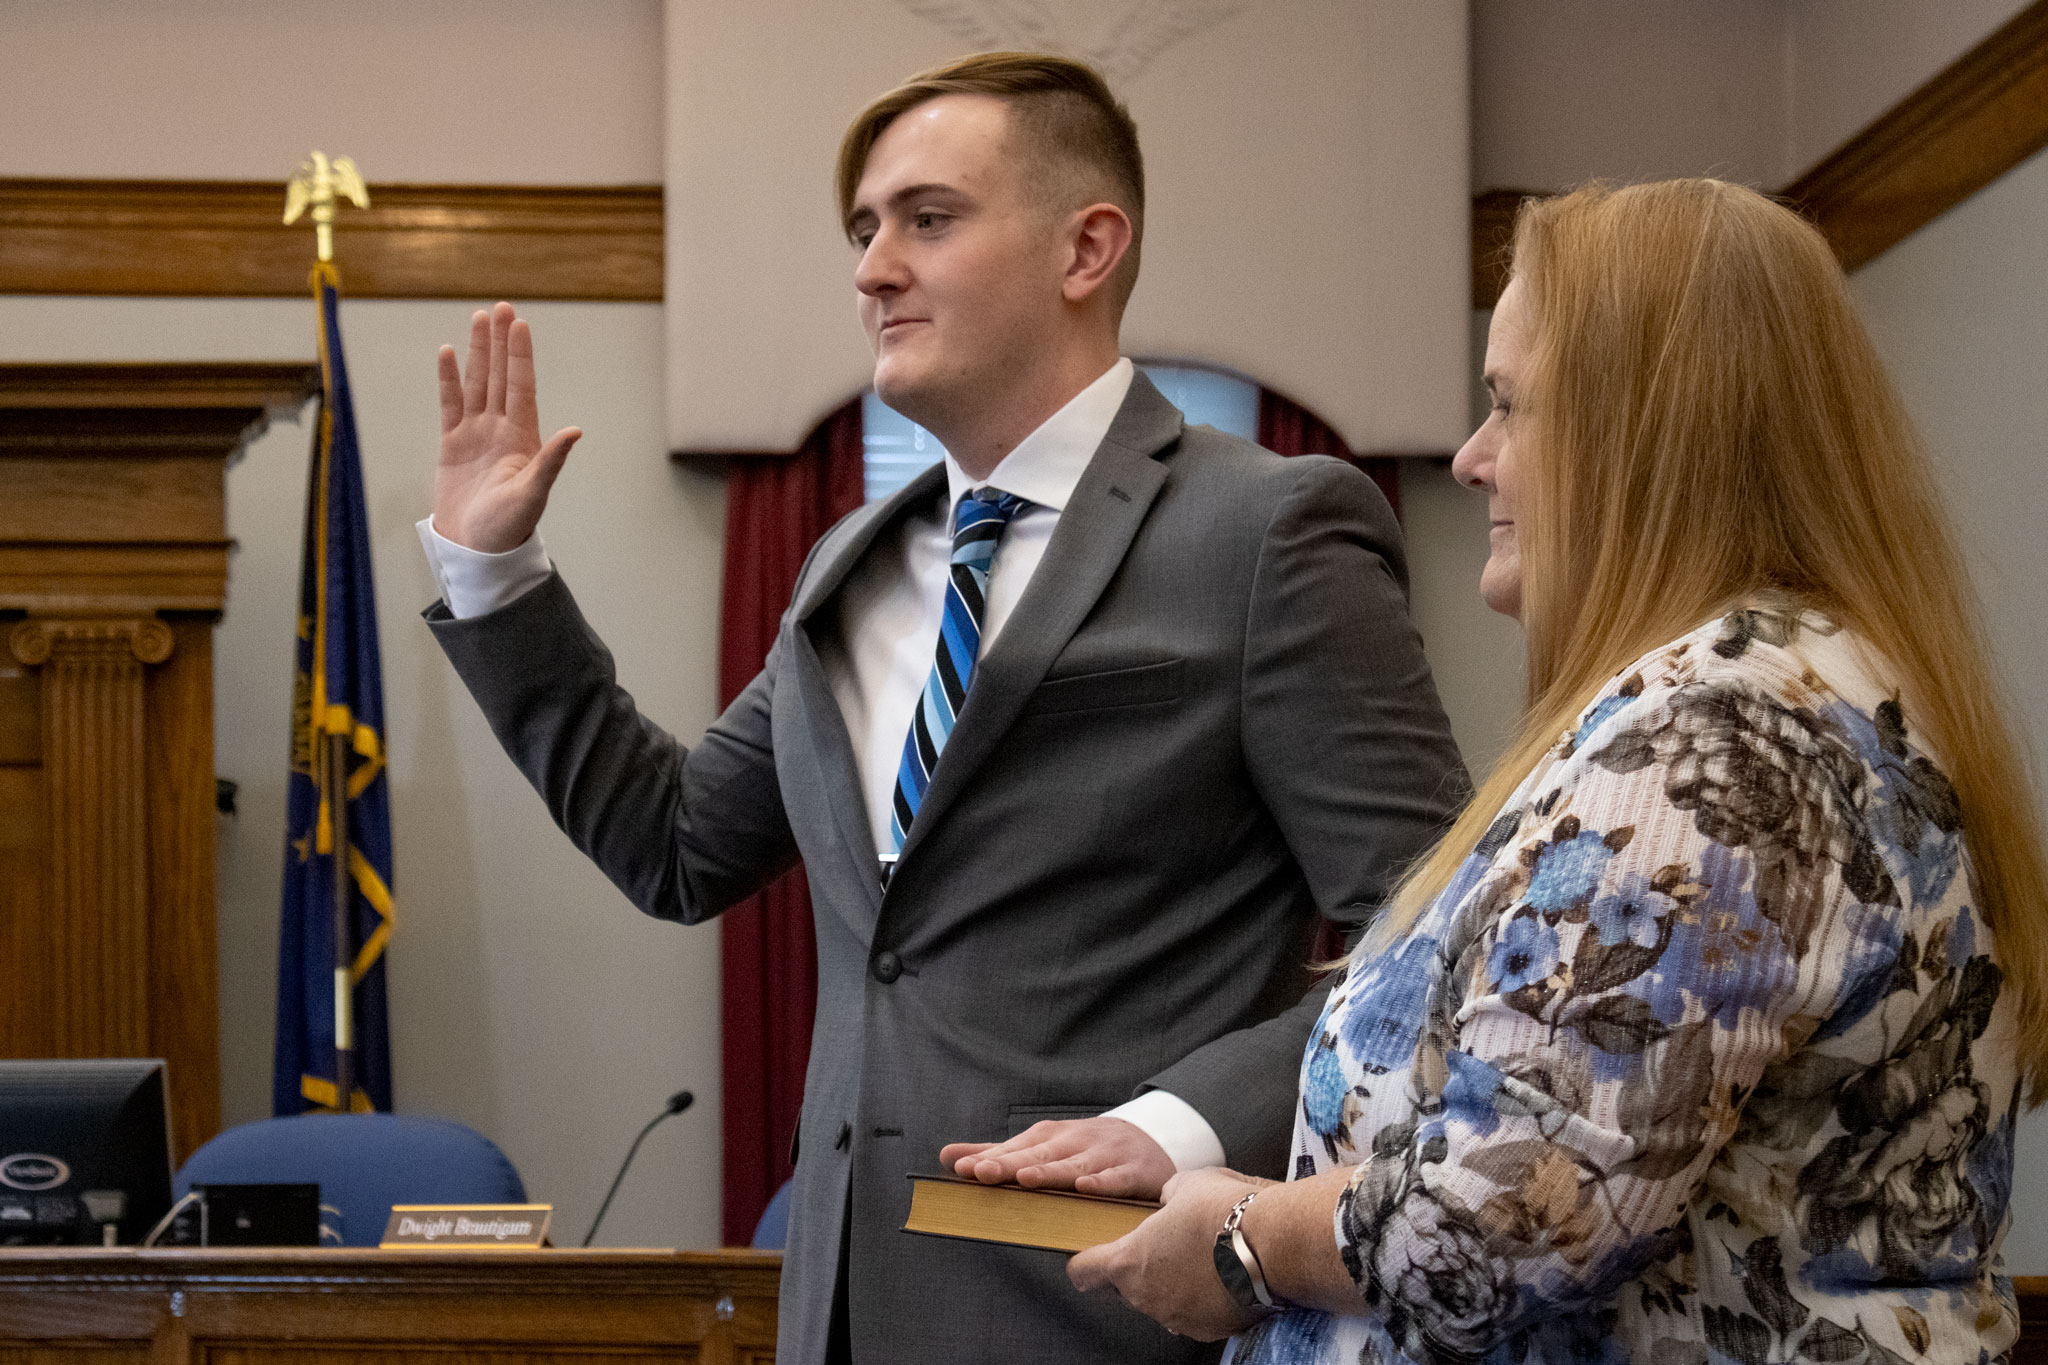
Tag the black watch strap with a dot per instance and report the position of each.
(1235, 1277)
(1237, 1265)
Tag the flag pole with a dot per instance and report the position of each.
(344, 940)
(318, 184)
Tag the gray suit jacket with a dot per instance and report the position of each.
(1208, 720)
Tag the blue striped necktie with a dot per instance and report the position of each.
(978, 524)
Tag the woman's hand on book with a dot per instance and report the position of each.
(1166, 1268)
(1102, 1156)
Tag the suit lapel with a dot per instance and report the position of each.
(838, 772)
(832, 572)
(1095, 530)
(838, 782)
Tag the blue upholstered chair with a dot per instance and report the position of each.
(363, 1163)
(772, 1232)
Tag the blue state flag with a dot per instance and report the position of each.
(337, 690)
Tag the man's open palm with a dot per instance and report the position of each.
(493, 480)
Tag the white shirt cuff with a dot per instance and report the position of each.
(1179, 1129)
(474, 583)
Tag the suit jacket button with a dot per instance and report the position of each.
(888, 966)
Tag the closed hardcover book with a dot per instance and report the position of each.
(1051, 1220)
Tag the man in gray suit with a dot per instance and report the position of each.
(1076, 737)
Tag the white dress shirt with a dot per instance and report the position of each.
(892, 603)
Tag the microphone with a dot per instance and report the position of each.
(677, 1103)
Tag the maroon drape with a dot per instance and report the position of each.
(1288, 428)
(776, 508)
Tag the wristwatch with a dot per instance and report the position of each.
(1237, 1265)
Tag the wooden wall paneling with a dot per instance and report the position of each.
(113, 568)
(182, 237)
(1974, 121)
(1493, 232)
(183, 943)
(94, 939)
(2032, 1347)
(24, 820)
(314, 1307)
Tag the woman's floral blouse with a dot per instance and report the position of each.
(1701, 1056)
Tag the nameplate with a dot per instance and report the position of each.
(427, 1227)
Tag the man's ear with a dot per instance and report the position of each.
(1099, 235)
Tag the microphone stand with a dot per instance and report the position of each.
(677, 1103)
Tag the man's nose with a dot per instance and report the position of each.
(880, 268)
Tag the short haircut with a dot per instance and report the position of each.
(1062, 115)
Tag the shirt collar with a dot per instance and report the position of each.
(1047, 464)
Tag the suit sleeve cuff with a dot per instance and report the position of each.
(1177, 1126)
(474, 583)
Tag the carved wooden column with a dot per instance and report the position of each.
(113, 569)
(96, 923)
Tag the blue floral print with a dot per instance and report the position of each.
(1525, 955)
(1385, 1011)
(1322, 1091)
(1701, 1057)
(1633, 913)
(1568, 870)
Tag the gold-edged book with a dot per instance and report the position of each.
(1052, 1220)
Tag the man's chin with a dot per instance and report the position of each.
(903, 393)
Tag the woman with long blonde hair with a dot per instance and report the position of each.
(1702, 1034)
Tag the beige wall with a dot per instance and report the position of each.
(1847, 61)
(1961, 313)
(1754, 91)
(505, 92)
(1306, 192)
(1565, 90)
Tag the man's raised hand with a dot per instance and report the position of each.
(493, 479)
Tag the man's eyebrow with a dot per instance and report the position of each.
(926, 191)
(866, 213)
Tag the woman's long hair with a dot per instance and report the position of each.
(1704, 421)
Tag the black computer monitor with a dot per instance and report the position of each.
(83, 1144)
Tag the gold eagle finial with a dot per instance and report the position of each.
(318, 183)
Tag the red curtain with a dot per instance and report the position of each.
(776, 508)
(1288, 428)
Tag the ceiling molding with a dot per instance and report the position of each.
(1974, 121)
(1969, 125)
(1979, 117)
(226, 238)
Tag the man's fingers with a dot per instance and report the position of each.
(522, 403)
(1062, 1172)
(1004, 1162)
(953, 1153)
(540, 475)
(477, 375)
(451, 389)
(1118, 1182)
(501, 344)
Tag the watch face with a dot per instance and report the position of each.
(1231, 1271)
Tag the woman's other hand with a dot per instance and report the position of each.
(1166, 1268)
